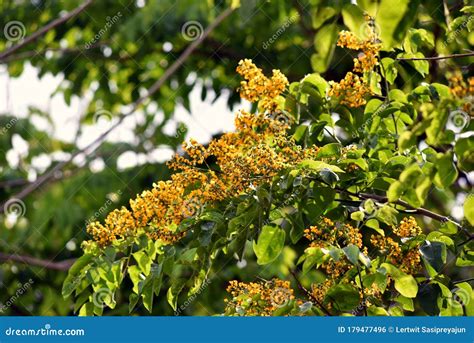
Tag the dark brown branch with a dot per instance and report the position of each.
(31, 38)
(93, 146)
(33, 261)
(435, 57)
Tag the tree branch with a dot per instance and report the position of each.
(44, 29)
(33, 261)
(93, 146)
(435, 57)
(415, 210)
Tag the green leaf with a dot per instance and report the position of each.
(407, 303)
(404, 283)
(318, 81)
(352, 253)
(469, 208)
(87, 309)
(143, 261)
(395, 191)
(270, 244)
(389, 69)
(174, 291)
(344, 297)
(313, 257)
(329, 150)
(353, 17)
(447, 172)
(318, 166)
(324, 41)
(389, 15)
(434, 253)
(73, 280)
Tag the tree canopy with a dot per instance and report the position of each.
(346, 189)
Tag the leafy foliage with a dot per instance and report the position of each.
(407, 144)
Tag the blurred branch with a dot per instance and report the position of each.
(435, 57)
(44, 29)
(34, 53)
(94, 145)
(13, 183)
(33, 261)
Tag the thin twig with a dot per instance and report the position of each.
(434, 57)
(33, 261)
(90, 148)
(465, 280)
(45, 29)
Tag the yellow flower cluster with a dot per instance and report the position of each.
(328, 233)
(319, 290)
(258, 87)
(353, 89)
(408, 227)
(463, 90)
(409, 261)
(258, 298)
(253, 154)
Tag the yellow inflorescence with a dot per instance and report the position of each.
(253, 154)
(328, 233)
(258, 87)
(409, 261)
(463, 90)
(258, 298)
(353, 89)
(408, 227)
